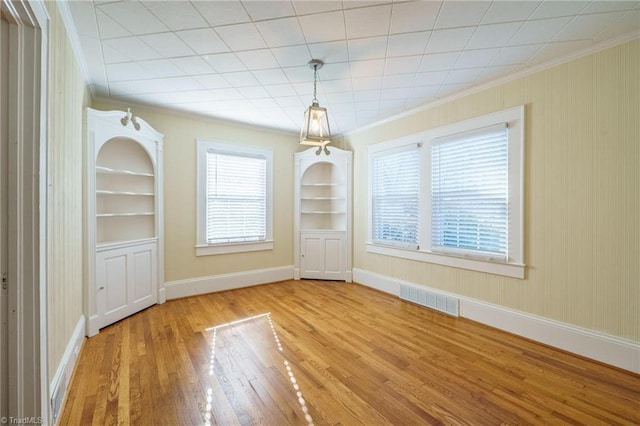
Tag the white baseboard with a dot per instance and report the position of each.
(60, 381)
(598, 346)
(211, 284)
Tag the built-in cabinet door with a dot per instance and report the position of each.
(322, 255)
(126, 281)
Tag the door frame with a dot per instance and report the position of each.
(28, 183)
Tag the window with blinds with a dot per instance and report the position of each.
(458, 200)
(396, 196)
(469, 193)
(236, 198)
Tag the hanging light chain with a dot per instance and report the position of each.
(315, 83)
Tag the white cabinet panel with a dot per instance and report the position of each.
(126, 281)
(322, 255)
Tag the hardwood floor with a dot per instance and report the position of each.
(314, 352)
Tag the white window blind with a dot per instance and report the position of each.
(396, 196)
(236, 204)
(469, 193)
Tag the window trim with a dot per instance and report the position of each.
(202, 247)
(514, 266)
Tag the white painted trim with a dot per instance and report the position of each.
(602, 347)
(214, 283)
(74, 40)
(68, 363)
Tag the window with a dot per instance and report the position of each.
(234, 198)
(469, 197)
(452, 195)
(396, 196)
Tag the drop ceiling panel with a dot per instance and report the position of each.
(247, 60)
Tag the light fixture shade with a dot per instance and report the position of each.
(315, 127)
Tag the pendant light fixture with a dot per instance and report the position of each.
(315, 128)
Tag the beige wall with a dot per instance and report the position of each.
(181, 131)
(67, 96)
(582, 194)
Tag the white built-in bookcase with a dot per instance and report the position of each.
(123, 217)
(322, 226)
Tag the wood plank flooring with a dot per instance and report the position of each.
(315, 352)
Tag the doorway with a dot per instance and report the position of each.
(24, 391)
(4, 144)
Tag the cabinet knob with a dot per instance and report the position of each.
(101, 288)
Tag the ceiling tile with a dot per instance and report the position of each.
(222, 12)
(156, 85)
(342, 85)
(398, 80)
(432, 78)
(323, 27)
(265, 9)
(538, 31)
(367, 48)
(367, 83)
(494, 73)
(192, 65)
(438, 61)
(291, 56)
(553, 50)
(306, 7)
(168, 45)
(84, 19)
(127, 49)
(476, 58)
(258, 59)
(289, 101)
(142, 70)
(281, 32)
(494, 35)
(414, 16)
(402, 65)
(372, 68)
(203, 41)
(241, 37)
(407, 44)
(228, 94)
(396, 93)
(509, 11)
(225, 62)
(587, 26)
(609, 6)
(333, 51)
(556, 9)
(628, 24)
(299, 74)
(134, 17)
(253, 92)
(449, 40)
(240, 79)
(455, 14)
(176, 15)
(515, 55)
(334, 71)
(449, 89)
(212, 81)
(272, 76)
(109, 27)
(368, 21)
(280, 90)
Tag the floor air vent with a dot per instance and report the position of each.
(430, 299)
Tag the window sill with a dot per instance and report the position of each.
(208, 250)
(506, 269)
